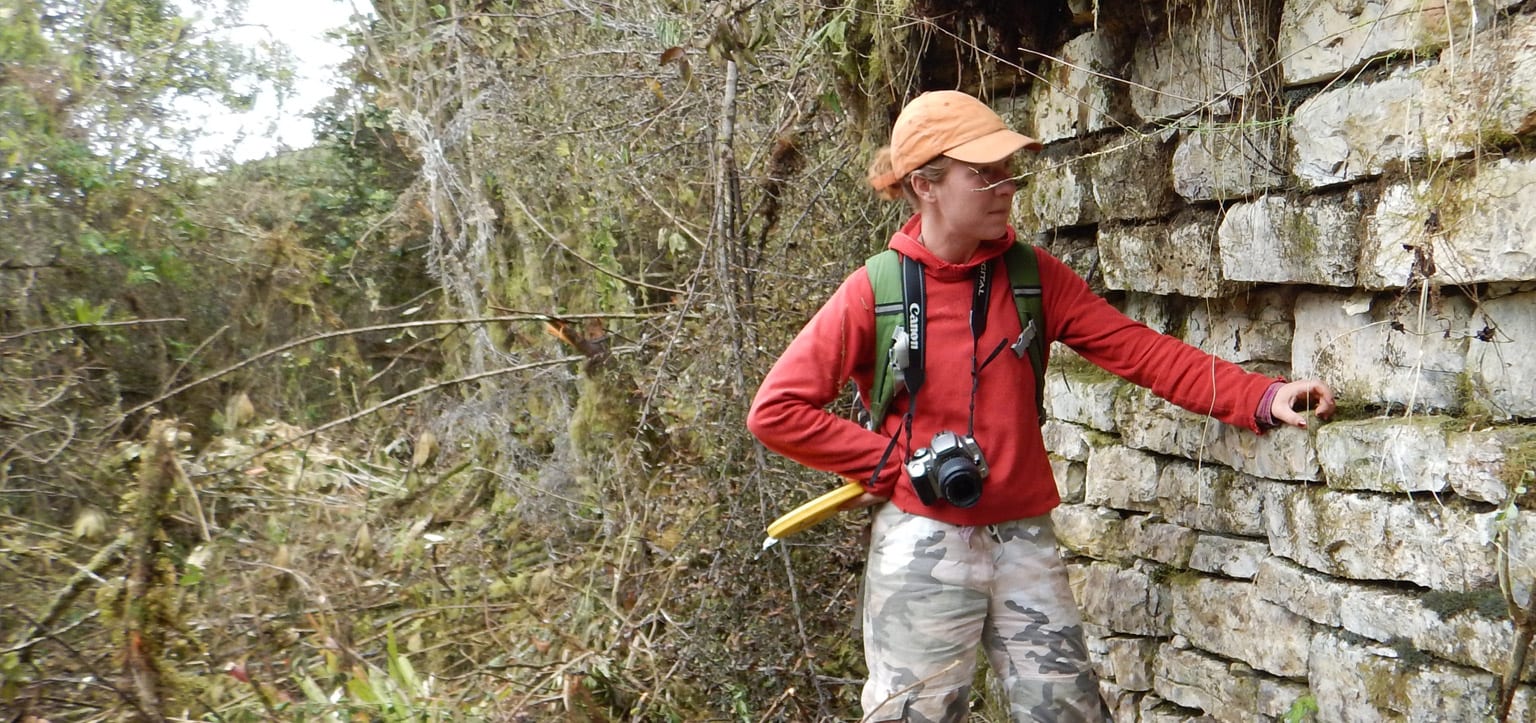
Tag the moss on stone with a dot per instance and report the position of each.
(1302, 231)
(1447, 604)
(1174, 576)
(1408, 654)
(1519, 466)
(1351, 408)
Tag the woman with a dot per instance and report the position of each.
(947, 575)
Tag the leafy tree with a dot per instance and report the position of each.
(94, 187)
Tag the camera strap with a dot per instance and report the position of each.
(907, 352)
(984, 274)
(906, 357)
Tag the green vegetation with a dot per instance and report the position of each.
(1302, 709)
(460, 387)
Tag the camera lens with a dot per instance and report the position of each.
(960, 481)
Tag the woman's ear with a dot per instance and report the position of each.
(922, 187)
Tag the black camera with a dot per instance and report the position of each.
(950, 468)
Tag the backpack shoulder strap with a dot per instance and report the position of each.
(1024, 277)
(884, 271)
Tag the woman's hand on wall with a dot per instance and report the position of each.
(1299, 396)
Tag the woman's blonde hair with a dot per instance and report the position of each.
(933, 170)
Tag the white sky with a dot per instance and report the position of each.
(301, 25)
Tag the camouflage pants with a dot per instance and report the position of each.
(934, 591)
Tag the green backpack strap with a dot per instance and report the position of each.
(1024, 277)
(884, 271)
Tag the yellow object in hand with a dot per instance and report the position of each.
(811, 513)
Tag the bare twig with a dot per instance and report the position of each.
(101, 562)
(320, 337)
(93, 325)
(169, 380)
(392, 401)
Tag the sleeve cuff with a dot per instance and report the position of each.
(1263, 416)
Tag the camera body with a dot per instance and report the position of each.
(950, 468)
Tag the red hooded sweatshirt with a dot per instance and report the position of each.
(789, 413)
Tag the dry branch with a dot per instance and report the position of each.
(321, 337)
(158, 477)
(99, 563)
(1523, 615)
(93, 325)
(392, 401)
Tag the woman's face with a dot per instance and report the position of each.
(973, 199)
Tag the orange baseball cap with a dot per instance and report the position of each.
(948, 123)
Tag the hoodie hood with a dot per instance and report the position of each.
(905, 243)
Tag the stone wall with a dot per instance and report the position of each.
(1329, 188)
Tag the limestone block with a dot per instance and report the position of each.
(1132, 178)
(1359, 683)
(1311, 240)
(1228, 160)
(1121, 702)
(1357, 130)
(1480, 635)
(1353, 342)
(1301, 591)
(1076, 93)
(1469, 629)
(1096, 653)
(1096, 532)
(1521, 546)
(1229, 556)
(1057, 193)
(1250, 327)
(1151, 538)
(1071, 479)
(1175, 258)
(1480, 462)
(1199, 63)
(1361, 537)
(1123, 599)
(1148, 422)
(1502, 378)
(1225, 691)
(1319, 39)
(1462, 230)
(1082, 394)
(1079, 250)
(1155, 709)
(1228, 618)
(1159, 313)
(1524, 707)
(1066, 440)
(1484, 91)
(1213, 498)
(1385, 455)
(1122, 478)
(1132, 660)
